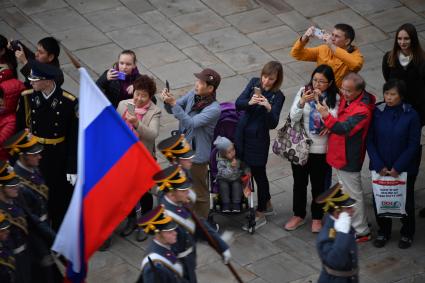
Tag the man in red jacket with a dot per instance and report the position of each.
(346, 144)
(10, 90)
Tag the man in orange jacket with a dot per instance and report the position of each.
(337, 52)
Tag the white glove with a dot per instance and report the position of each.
(226, 256)
(72, 178)
(343, 223)
(228, 237)
(192, 196)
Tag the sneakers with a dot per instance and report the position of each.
(294, 223)
(380, 241)
(225, 208)
(316, 226)
(259, 222)
(405, 243)
(363, 238)
(236, 207)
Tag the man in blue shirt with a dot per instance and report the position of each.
(198, 112)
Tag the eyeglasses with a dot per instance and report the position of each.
(319, 81)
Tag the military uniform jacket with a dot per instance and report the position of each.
(52, 118)
(337, 251)
(187, 234)
(187, 231)
(34, 191)
(7, 264)
(19, 228)
(165, 267)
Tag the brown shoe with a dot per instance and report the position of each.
(316, 225)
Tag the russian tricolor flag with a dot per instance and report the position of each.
(114, 171)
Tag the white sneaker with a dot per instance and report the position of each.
(259, 222)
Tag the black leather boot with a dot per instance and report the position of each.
(130, 226)
(141, 235)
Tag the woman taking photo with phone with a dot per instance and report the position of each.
(142, 117)
(117, 82)
(392, 145)
(322, 89)
(252, 140)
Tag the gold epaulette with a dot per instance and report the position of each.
(27, 91)
(68, 95)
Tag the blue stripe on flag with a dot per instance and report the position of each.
(104, 148)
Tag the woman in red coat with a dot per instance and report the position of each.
(10, 91)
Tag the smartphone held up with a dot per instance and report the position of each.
(318, 33)
(130, 108)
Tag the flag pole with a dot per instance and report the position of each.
(74, 60)
(213, 243)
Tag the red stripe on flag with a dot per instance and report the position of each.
(113, 197)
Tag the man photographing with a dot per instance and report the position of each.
(198, 113)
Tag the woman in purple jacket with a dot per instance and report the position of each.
(392, 144)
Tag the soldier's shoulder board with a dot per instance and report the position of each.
(27, 91)
(68, 95)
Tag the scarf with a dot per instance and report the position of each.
(404, 60)
(202, 101)
(315, 124)
(140, 113)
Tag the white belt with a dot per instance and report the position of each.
(20, 249)
(185, 253)
(43, 217)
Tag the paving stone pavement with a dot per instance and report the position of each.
(173, 39)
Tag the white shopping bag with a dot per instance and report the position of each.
(390, 194)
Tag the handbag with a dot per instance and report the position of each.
(389, 194)
(292, 142)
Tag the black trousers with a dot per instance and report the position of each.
(318, 170)
(408, 221)
(146, 204)
(263, 188)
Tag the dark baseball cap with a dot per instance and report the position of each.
(209, 76)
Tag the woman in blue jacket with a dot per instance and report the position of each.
(262, 102)
(392, 144)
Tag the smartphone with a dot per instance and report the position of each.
(15, 45)
(131, 107)
(318, 33)
(121, 76)
(167, 85)
(308, 87)
(257, 90)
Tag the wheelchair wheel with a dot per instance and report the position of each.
(251, 221)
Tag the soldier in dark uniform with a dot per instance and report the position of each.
(336, 242)
(7, 260)
(160, 265)
(178, 151)
(51, 115)
(9, 192)
(34, 193)
(172, 181)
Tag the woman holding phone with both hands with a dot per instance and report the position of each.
(320, 89)
(262, 102)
